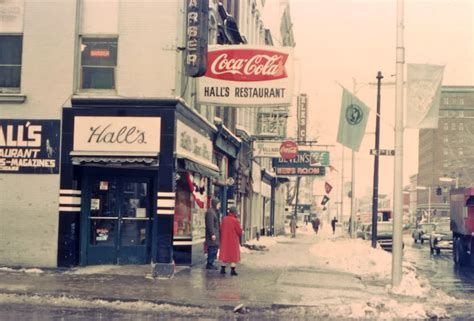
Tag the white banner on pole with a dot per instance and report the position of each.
(423, 95)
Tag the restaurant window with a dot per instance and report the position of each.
(98, 62)
(11, 47)
(182, 211)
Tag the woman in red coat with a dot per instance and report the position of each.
(230, 233)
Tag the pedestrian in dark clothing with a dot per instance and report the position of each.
(212, 233)
(231, 231)
(316, 223)
(333, 224)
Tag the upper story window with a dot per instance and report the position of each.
(461, 126)
(446, 126)
(10, 62)
(98, 45)
(98, 63)
(11, 45)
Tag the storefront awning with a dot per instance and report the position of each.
(190, 164)
(80, 158)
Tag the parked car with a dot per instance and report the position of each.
(422, 232)
(384, 235)
(441, 238)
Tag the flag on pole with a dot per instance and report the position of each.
(352, 121)
(325, 200)
(423, 95)
(327, 187)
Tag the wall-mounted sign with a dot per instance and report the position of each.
(288, 149)
(124, 135)
(305, 163)
(190, 142)
(247, 76)
(266, 148)
(197, 30)
(302, 106)
(29, 146)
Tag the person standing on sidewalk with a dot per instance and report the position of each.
(212, 233)
(333, 224)
(231, 231)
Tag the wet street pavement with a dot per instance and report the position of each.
(440, 269)
(301, 290)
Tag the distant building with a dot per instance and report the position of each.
(446, 151)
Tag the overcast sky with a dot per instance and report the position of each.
(341, 40)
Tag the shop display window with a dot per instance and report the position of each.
(182, 212)
(191, 205)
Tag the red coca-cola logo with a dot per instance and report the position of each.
(288, 149)
(246, 65)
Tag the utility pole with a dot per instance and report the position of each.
(397, 254)
(375, 194)
(353, 197)
(342, 187)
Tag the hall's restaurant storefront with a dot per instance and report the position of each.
(135, 180)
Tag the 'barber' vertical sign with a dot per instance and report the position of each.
(197, 33)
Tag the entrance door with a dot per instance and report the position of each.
(117, 218)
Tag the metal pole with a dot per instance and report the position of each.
(353, 205)
(429, 204)
(296, 204)
(397, 254)
(342, 188)
(375, 194)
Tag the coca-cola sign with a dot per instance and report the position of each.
(240, 75)
(246, 65)
(288, 149)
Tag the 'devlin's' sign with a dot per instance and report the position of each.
(247, 76)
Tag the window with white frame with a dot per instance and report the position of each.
(11, 45)
(98, 63)
(461, 126)
(98, 48)
(10, 62)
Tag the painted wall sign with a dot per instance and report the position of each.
(29, 146)
(125, 135)
(190, 142)
(197, 30)
(247, 76)
(302, 105)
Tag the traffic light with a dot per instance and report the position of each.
(439, 191)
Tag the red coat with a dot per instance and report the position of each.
(230, 239)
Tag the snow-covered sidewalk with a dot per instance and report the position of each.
(375, 298)
(322, 276)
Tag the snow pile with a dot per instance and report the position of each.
(354, 256)
(30, 271)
